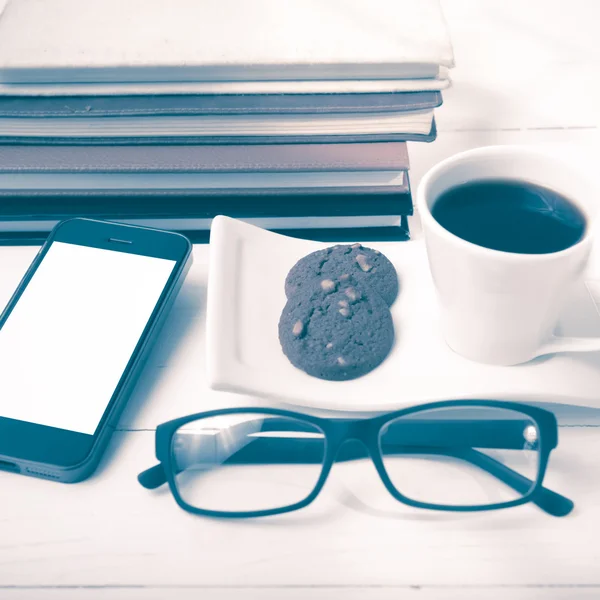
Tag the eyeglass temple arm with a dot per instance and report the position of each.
(549, 501)
(553, 503)
(153, 477)
(156, 476)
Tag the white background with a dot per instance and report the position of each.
(527, 72)
(68, 340)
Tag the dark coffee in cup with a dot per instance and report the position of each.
(511, 216)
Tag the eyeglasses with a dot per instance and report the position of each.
(463, 455)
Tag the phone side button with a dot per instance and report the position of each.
(9, 466)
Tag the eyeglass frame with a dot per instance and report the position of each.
(367, 430)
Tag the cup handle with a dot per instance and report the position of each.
(560, 343)
(569, 344)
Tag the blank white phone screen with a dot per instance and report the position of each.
(66, 343)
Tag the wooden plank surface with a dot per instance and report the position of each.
(313, 592)
(526, 73)
(522, 65)
(109, 531)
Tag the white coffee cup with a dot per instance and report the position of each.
(502, 307)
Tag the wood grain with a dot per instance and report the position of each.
(109, 531)
(312, 592)
(527, 72)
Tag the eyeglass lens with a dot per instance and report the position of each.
(247, 462)
(459, 456)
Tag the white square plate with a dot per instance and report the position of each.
(248, 266)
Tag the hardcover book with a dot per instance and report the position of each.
(310, 86)
(27, 218)
(276, 125)
(263, 158)
(377, 134)
(221, 40)
(211, 104)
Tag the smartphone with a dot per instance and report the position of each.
(74, 337)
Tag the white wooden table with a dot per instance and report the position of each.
(527, 73)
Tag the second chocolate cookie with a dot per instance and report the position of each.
(336, 330)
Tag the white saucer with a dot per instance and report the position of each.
(248, 266)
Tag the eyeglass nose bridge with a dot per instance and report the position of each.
(348, 436)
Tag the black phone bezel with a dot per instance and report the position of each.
(52, 452)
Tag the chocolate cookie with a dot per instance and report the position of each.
(365, 265)
(336, 330)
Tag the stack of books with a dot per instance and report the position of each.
(290, 114)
